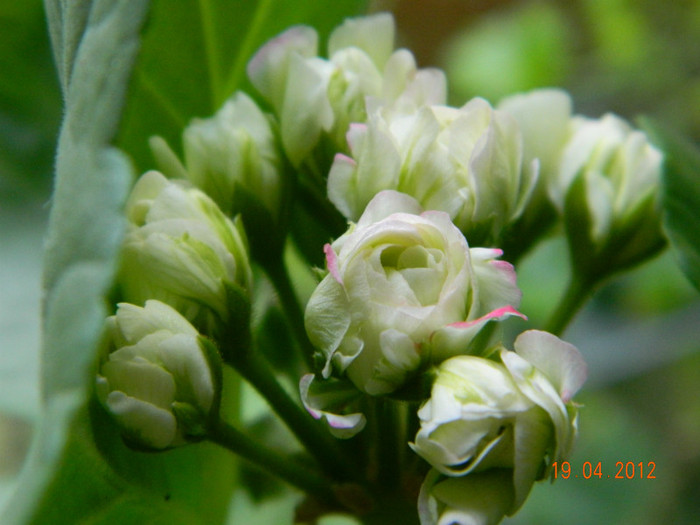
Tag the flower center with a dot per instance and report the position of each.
(421, 268)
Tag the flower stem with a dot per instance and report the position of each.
(317, 441)
(277, 271)
(269, 460)
(576, 294)
(388, 449)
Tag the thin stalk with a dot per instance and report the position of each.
(389, 435)
(313, 436)
(576, 294)
(277, 271)
(270, 461)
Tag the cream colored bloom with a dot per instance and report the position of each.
(498, 425)
(159, 380)
(403, 289)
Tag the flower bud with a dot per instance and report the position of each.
(514, 415)
(466, 162)
(608, 189)
(397, 279)
(161, 381)
(544, 118)
(235, 148)
(182, 250)
(316, 98)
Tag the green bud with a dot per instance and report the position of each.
(160, 380)
(608, 189)
(182, 250)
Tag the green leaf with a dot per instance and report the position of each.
(72, 474)
(681, 196)
(195, 55)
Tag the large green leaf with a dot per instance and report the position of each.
(194, 57)
(681, 197)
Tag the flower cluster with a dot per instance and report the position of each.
(406, 317)
(316, 99)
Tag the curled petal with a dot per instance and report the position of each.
(559, 361)
(319, 397)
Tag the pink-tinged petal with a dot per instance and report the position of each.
(332, 263)
(454, 339)
(507, 269)
(268, 68)
(318, 396)
(499, 313)
(340, 158)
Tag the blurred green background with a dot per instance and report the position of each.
(640, 334)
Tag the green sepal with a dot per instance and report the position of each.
(213, 357)
(191, 419)
(579, 225)
(235, 337)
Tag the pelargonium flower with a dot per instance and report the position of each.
(403, 289)
(182, 250)
(504, 420)
(316, 99)
(160, 380)
(467, 162)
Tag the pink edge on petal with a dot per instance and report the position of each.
(304, 385)
(498, 313)
(332, 263)
(506, 268)
(566, 396)
(344, 159)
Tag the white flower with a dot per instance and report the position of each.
(182, 250)
(397, 279)
(466, 162)
(160, 380)
(487, 417)
(315, 97)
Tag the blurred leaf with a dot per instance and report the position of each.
(30, 104)
(95, 54)
(509, 51)
(194, 57)
(681, 197)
